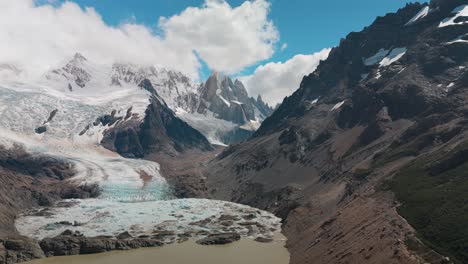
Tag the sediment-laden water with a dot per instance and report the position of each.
(245, 251)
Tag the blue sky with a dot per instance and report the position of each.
(306, 26)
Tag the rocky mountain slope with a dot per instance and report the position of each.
(365, 161)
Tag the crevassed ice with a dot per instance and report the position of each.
(212, 128)
(461, 11)
(135, 197)
(25, 108)
(100, 217)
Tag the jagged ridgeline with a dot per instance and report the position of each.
(384, 115)
(220, 108)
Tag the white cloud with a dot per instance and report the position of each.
(226, 38)
(275, 80)
(284, 46)
(35, 38)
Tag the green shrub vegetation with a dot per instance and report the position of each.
(436, 205)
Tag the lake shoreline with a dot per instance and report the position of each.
(243, 251)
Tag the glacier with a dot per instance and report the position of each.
(135, 197)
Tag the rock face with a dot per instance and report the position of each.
(230, 101)
(19, 250)
(160, 131)
(222, 110)
(394, 93)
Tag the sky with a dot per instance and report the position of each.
(268, 44)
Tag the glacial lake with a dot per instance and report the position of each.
(245, 251)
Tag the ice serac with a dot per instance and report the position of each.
(389, 101)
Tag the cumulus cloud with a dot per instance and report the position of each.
(226, 38)
(275, 80)
(36, 37)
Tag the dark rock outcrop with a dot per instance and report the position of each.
(19, 250)
(40, 130)
(69, 243)
(219, 239)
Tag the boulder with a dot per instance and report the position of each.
(219, 239)
(19, 250)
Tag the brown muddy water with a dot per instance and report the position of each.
(245, 251)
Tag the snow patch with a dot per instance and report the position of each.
(252, 125)
(337, 106)
(421, 14)
(461, 11)
(459, 39)
(236, 102)
(394, 56)
(364, 76)
(378, 75)
(385, 57)
(226, 102)
(376, 57)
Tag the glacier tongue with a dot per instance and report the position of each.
(135, 197)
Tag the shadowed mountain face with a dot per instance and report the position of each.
(160, 131)
(383, 115)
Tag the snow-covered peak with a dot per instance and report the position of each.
(77, 73)
(131, 73)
